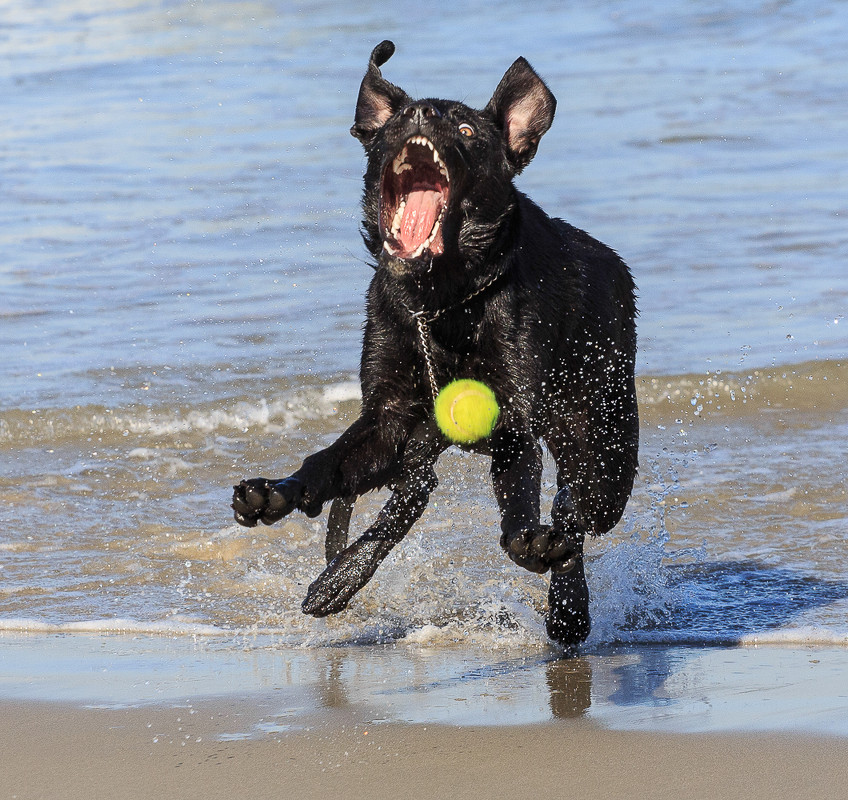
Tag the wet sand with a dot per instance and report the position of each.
(57, 751)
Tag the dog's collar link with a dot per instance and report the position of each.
(423, 319)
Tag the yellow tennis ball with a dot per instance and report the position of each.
(466, 411)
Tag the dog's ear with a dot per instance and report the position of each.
(378, 99)
(524, 108)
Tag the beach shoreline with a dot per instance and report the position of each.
(54, 750)
(149, 716)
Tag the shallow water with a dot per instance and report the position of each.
(181, 298)
(279, 690)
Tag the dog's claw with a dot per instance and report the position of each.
(321, 602)
(239, 505)
(559, 550)
(248, 522)
(516, 544)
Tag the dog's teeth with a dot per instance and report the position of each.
(388, 248)
(399, 164)
(398, 218)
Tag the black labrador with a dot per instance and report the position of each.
(473, 280)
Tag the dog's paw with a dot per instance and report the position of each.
(556, 547)
(345, 575)
(261, 500)
(327, 594)
(541, 548)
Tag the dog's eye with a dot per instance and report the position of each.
(466, 130)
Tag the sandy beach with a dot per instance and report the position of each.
(56, 751)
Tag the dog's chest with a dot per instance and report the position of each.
(459, 343)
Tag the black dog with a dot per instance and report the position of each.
(474, 281)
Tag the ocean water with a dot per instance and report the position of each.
(181, 295)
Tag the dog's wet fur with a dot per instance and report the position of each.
(473, 280)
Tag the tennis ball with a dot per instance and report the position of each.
(466, 411)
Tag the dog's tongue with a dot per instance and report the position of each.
(419, 217)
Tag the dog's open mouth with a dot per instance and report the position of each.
(413, 199)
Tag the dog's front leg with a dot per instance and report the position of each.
(351, 569)
(366, 456)
(516, 475)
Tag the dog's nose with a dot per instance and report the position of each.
(418, 112)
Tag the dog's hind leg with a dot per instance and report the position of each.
(352, 567)
(516, 473)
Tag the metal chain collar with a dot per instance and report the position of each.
(424, 336)
(423, 320)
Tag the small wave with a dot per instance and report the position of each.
(20, 427)
(807, 635)
(646, 594)
(166, 627)
(163, 627)
(811, 387)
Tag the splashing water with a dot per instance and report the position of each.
(634, 594)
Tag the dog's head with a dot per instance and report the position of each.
(439, 177)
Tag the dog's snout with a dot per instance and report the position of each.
(421, 111)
